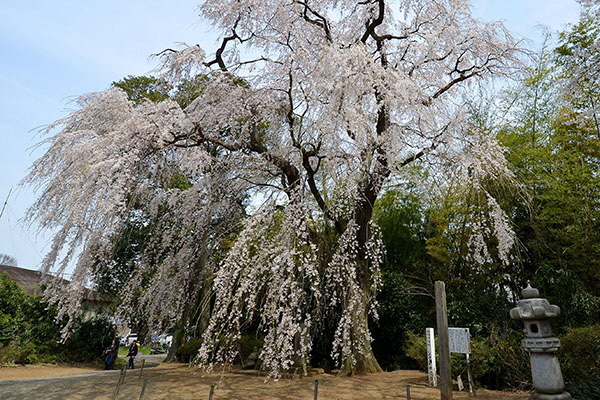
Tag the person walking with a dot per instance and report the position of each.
(133, 351)
(111, 355)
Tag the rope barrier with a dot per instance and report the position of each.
(168, 390)
(325, 383)
(119, 392)
(258, 388)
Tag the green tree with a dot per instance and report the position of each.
(12, 308)
(143, 88)
(29, 332)
(404, 305)
(428, 238)
(554, 152)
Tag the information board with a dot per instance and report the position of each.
(460, 340)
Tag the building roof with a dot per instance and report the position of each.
(30, 280)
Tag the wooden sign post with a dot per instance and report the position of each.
(442, 326)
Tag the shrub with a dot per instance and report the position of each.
(416, 348)
(89, 340)
(496, 362)
(188, 350)
(585, 391)
(29, 333)
(15, 353)
(580, 354)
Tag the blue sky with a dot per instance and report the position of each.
(51, 51)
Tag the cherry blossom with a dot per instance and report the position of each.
(310, 108)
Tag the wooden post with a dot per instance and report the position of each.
(408, 392)
(116, 392)
(316, 394)
(142, 369)
(444, 345)
(212, 392)
(143, 389)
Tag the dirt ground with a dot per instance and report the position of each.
(10, 373)
(178, 381)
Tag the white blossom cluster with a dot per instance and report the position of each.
(494, 223)
(109, 154)
(485, 158)
(341, 98)
(271, 275)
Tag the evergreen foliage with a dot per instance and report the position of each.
(29, 332)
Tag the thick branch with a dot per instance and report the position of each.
(310, 179)
(450, 85)
(201, 137)
(291, 173)
(320, 20)
(370, 31)
(219, 53)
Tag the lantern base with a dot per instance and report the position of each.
(556, 396)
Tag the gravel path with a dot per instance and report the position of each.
(172, 381)
(85, 386)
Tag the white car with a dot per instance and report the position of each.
(127, 339)
(163, 340)
(168, 340)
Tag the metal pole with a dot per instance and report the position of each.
(444, 343)
(143, 388)
(212, 392)
(316, 389)
(407, 392)
(470, 378)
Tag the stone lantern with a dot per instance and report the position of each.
(541, 346)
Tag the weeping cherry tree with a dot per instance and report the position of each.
(310, 109)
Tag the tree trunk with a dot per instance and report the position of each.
(365, 359)
(366, 362)
(363, 352)
(203, 286)
(177, 341)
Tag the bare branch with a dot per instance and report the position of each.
(370, 26)
(320, 20)
(219, 53)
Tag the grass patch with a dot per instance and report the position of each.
(145, 350)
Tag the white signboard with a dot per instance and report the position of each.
(460, 341)
(431, 369)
